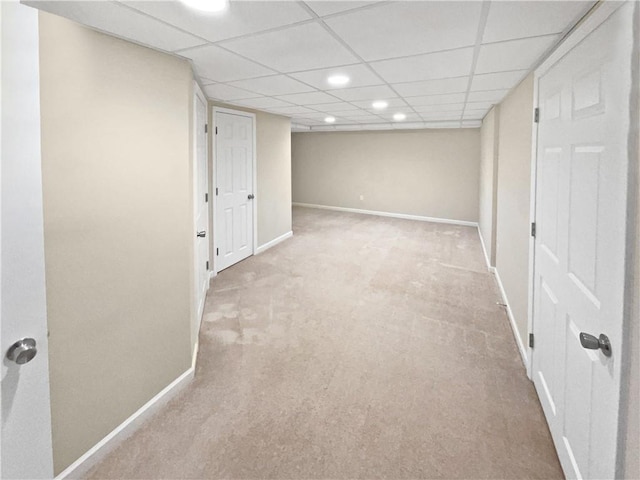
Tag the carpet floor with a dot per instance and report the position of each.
(363, 347)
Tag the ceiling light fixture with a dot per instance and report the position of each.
(398, 117)
(380, 105)
(210, 6)
(338, 80)
(330, 119)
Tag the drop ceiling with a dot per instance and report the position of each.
(442, 64)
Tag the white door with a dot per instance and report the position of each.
(579, 271)
(201, 192)
(26, 420)
(234, 189)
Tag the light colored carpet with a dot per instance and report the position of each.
(364, 347)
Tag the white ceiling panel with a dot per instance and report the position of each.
(273, 85)
(220, 91)
(294, 49)
(442, 116)
(292, 110)
(432, 87)
(329, 7)
(262, 102)
(437, 99)
(478, 106)
(364, 93)
(219, 65)
(493, 96)
(511, 20)
(311, 98)
(513, 55)
(336, 107)
(408, 28)
(393, 102)
(240, 18)
(121, 21)
(359, 75)
(491, 81)
(453, 107)
(454, 63)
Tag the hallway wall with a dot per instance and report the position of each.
(428, 172)
(488, 181)
(118, 227)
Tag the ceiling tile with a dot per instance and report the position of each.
(393, 102)
(511, 20)
(335, 107)
(219, 65)
(455, 63)
(329, 7)
(262, 102)
(220, 91)
(273, 85)
(292, 110)
(364, 93)
(478, 106)
(121, 21)
(494, 96)
(360, 76)
(513, 55)
(408, 125)
(432, 87)
(436, 99)
(241, 18)
(302, 47)
(454, 107)
(310, 98)
(306, 121)
(408, 28)
(473, 116)
(495, 81)
(442, 116)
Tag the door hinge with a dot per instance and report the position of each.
(531, 340)
(533, 229)
(536, 115)
(216, 191)
(217, 253)
(206, 197)
(206, 128)
(216, 130)
(207, 264)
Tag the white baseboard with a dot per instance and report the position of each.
(388, 214)
(484, 250)
(273, 242)
(512, 321)
(93, 456)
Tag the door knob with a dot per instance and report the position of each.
(201, 234)
(251, 196)
(22, 351)
(593, 343)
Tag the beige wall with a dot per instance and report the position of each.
(488, 181)
(513, 196)
(431, 173)
(118, 227)
(273, 161)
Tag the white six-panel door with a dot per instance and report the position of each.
(579, 273)
(234, 188)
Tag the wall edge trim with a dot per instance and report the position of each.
(512, 320)
(274, 242)
(403, 216)
(101, 449)
(484, 250)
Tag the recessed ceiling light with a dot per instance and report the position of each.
(338, 80)
(380, 105)
(207, 5)
(398, 117)
(330, 119)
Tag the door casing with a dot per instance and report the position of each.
(215, 112)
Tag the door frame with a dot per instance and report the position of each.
(254, 176)
(592, 20)
(198, 94)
